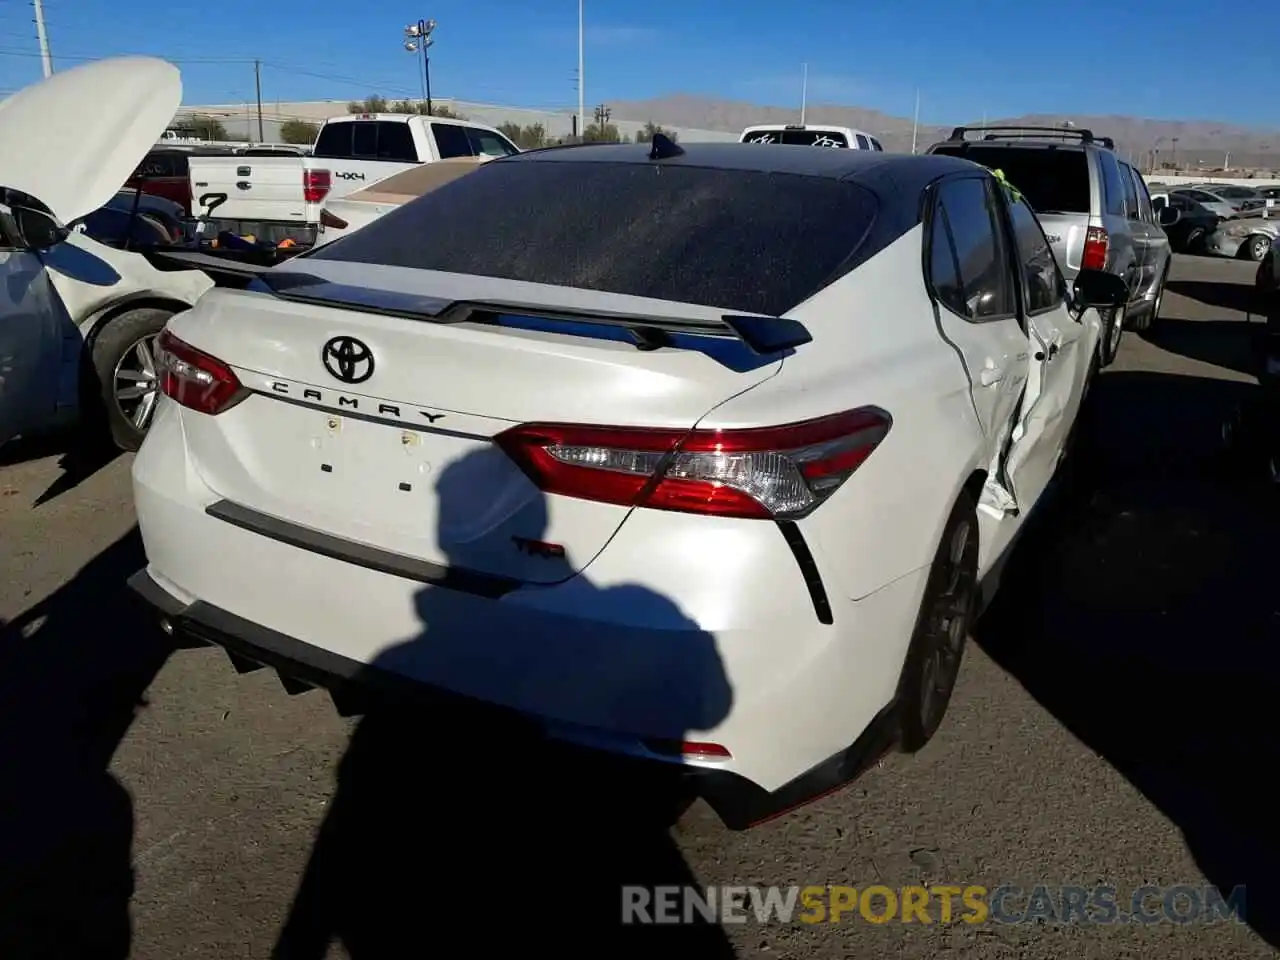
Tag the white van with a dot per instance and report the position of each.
(810, 135)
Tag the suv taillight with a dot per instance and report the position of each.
(315, 185)
(761, 473)
(193, 378)
(1095, 249)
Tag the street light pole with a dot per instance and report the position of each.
(46, 60)
(582, 95)
(417, 36)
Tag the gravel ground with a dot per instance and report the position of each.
(155, 804)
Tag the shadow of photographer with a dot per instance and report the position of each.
(453, 812)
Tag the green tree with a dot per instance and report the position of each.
(298, 131)
(526, 138)
(646, 134)
(200, 127)
(440, 110)
(602, 133)
(420, 107)
(370, 104)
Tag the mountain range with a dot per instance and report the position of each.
(1205, 144)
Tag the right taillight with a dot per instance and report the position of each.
(759, 473)
(193, 378)
(315, 185)
(1095, 249)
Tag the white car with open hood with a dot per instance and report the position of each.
(701, 455)
(77, 317)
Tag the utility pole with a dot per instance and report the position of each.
(915, 124)
(804, 92)
(46, 59)
(1175, 154)
(257, 83)
(582, 110)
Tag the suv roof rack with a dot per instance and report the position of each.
(1016, 132)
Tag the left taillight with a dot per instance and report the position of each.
(759, 473)
(316, 185)
(195, 379)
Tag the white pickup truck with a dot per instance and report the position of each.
(277, 197)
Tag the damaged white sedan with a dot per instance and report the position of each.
(78, 318)
(700, 455)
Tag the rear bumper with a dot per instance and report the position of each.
(739, 802)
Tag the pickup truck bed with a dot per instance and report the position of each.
(350, 153)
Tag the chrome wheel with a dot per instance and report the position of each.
(135, 385)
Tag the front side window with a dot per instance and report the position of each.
(1041, 279)
(486, 143)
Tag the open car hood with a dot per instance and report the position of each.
(71, 141)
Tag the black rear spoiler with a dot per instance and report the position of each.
(221, 269)
(761, 334)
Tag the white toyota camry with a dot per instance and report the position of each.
(705, 455)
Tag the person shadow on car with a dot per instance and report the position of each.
(454, 816)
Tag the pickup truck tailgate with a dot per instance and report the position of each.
(257, 188)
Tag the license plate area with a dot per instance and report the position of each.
(367, 473)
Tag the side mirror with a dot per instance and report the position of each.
(38, 230)
(1169, 216)
(1097, 288)
(1159, 203)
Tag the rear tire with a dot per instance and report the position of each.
(942, 628)
(124, 375)
(1147, 319)
(1112, 333)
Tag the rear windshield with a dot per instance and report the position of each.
(366, 140)
(804, 138)
(1052, 181)
(736, 239)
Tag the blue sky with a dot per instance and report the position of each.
(1009, 59)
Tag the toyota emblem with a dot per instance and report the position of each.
(348, 359)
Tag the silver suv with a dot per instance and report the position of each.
(1094, 207)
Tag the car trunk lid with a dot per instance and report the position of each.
(373, 420)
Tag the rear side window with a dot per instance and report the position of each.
(737, 239)
(1131, 208)
(875, 145)
(451, 140)
(803, 138)
(968, 262)
(161, 164)
(863, 142)
(1113, 191)
(366, 140)
(1052, 180)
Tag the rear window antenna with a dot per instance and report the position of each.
(664, 148)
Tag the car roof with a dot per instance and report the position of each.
(873, 169)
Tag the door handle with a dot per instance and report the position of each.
(990, 376)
